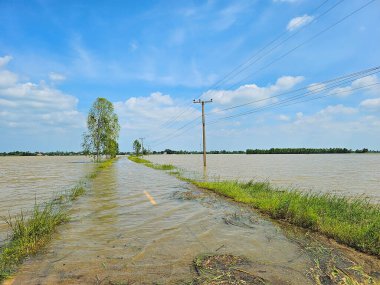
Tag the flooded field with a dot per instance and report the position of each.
(346, 174)
(142, 226)
(24, 180)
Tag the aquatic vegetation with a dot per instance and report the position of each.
(76, 192)
(138, 159)
(223, 269)
(354, 222)
(31, 231)
(162, 166)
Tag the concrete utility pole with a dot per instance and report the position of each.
(142, 146)
(203, 126)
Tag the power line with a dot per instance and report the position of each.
(341, 79)
(286, 101)
(285, 40)
(323, 85)
(163, 138)
(309, 40)
(314, 36)
(352, 76)
(217, 84)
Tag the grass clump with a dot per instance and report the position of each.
(138, 159)
(162, 166)
(106, 163)
(150, 164)
(29, 234)
(99, 166)
(354, 222)
(223, 269)
(76, 192)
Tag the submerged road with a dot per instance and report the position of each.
(142, 226)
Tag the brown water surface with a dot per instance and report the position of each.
(25, 180)
(345, 174)
(142, 226)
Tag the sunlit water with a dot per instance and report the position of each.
(118, 235)
(27, 180)
(346, 174)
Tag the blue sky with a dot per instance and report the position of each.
(152, 58)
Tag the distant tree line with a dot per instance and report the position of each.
(50, 153)
(170, 151)
(305, 150)
(271, 151)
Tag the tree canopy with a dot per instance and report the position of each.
(102, 130)
(137, 147)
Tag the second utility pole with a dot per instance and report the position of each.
(203, 127)
(142, 146)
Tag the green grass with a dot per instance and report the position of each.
(29, 234)
(76, 192)
(31, 231)
(351, 221)
(150, 164)
(138, 159)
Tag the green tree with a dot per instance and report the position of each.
(103, 130)
(137, 147)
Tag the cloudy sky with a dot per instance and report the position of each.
(152, 58)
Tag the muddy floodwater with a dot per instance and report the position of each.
(24, 180)
(346, 174)
(138, 225)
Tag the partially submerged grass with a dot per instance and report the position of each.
(351, 221)
(30, 231)
(76, 192)
(138, 159)
(29, 234)
(223, 269)
(150, 164)
(99, 166)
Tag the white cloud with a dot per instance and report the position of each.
(156, 117)
(368, 84)
(328, 114)
(365, 81)
(298, 22)
(36, 106)
(56, 76)
(151, 111)
(7, 78)
(4, 60)
(371, 103)
(284, 118)
(338, 109)
(316, 87)
(299, 115)
(252, 92)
